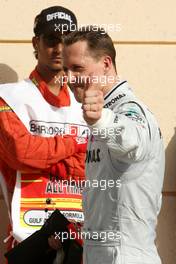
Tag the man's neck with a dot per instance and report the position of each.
(53, 78)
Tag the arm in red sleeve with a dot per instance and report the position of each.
(76, 166)
(72, 168)
(23, 151)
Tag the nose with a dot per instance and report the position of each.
(58, 48)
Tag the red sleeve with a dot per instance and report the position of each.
(75, 166)
(72, 168)
(22, 151)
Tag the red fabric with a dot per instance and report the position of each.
(61, 100)
(71, 168)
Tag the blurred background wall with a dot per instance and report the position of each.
(144, 35)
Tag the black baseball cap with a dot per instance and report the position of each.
(55, 19)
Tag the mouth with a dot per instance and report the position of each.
(56, 58)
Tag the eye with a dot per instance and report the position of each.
(51, 41)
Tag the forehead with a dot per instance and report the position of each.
(76, 53)
(51, 40)
(52, 36)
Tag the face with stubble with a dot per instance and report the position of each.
(81, 66)
(49, 51)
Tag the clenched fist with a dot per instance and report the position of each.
(93, 102)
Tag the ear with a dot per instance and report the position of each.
(107, 61)
(35, 42)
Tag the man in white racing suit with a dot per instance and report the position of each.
(125, 157)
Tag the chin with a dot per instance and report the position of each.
(78, 98)
(57, 67)
(77, 93)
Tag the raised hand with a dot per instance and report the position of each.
(93, 102)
